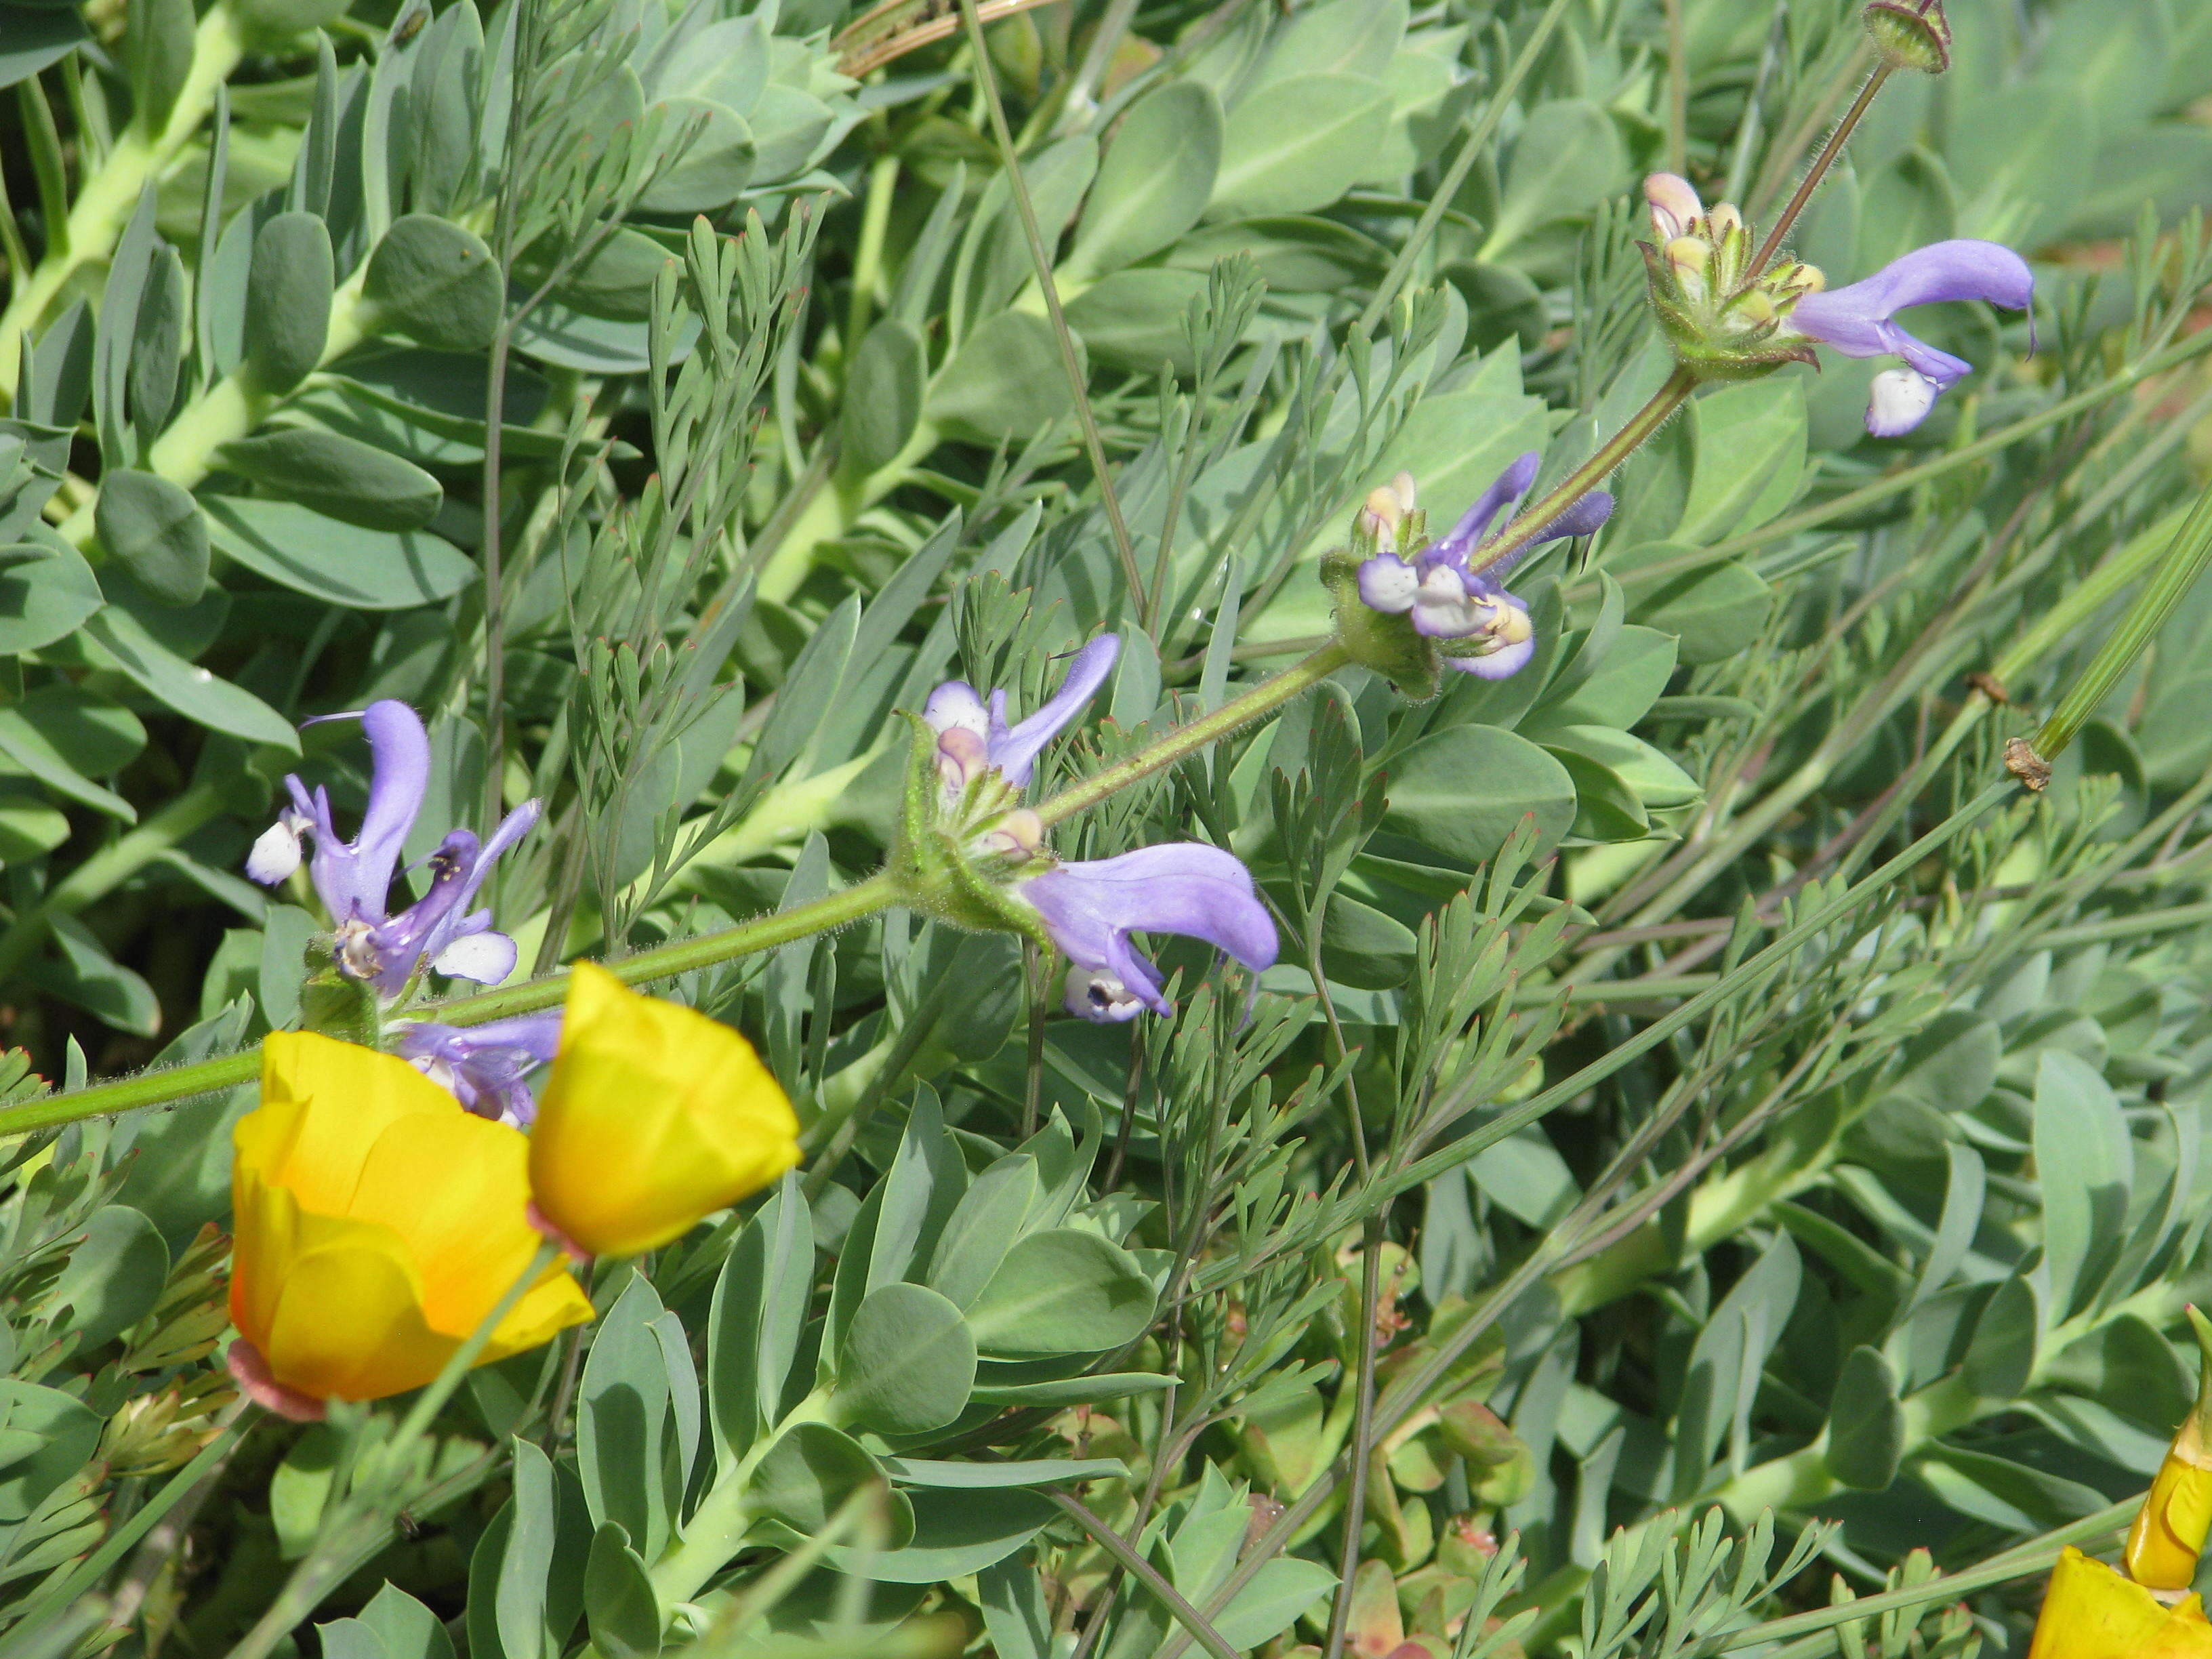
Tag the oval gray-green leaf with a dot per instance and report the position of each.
(882, 396)
(339, 476)
(1713, 614)
(620, 1608)
(1134, 318)
(1061, 1292)
(153, 528)
(1464, 789)
(715, 145)
(907, 1362)
(287, 299)
(1866, 1423)
(46, 593)
(807, 1475)
(1154, 182)
(343, 563)
(437, 281)
(192, 691)
(1299, 145)
(1005, 382)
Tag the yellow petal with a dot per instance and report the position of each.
(455, 1188)
(349, 1323)
(2091, 1612)
(322, 1105)
(654, 1116)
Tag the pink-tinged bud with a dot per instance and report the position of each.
(1675, 203)
(1380, 516)
(1401, 486)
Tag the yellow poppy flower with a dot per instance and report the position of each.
(376, 1225)
(654, 1115)
(2091, 1612)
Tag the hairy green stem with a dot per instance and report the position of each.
(1527, 525)
(1814, 173)
(1262, 699)
(109, 197)
(662, 961)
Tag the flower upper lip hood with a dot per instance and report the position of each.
(354, 878)
(972, 735)
(1090, 908)
(486, 1065)
(1858, 321)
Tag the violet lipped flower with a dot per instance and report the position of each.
(1091, 908)
(972, 734)
(1858, 321)
(1481, 628)
(487, 1067)
(354, 878)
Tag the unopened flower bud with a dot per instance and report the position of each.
(1754, 307)
(2169, 1530)
(1724, 219)
(1910, 37)
(1675, 203)
(1379, 517)
(1690, 254)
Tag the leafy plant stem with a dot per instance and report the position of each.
(1262, 699)
(105, 203)
(1818, 171)
(1193, 1621)
(1673, 392)
(1362, 1449)
(2182, 562)
(987, 81)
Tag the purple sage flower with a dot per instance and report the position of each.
(1090, 908)
(354, 878)
(973, 735)
(1857, 321)
(1480, 629)
(487, 1067)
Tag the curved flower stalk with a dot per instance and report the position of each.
(377, 1225)
(2091, 1611)
(1727, 323)
(1414, 607)
(973, 855)
(354, 878)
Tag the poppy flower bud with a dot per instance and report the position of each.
(654, 1115)
(2169, 1530)
(378, 1223)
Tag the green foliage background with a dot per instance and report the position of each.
(657, 406)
